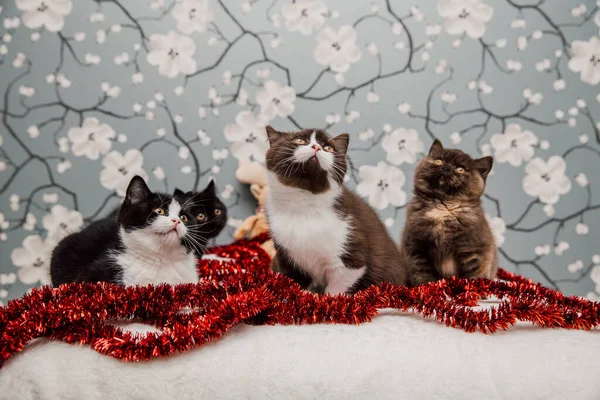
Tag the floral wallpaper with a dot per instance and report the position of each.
(94, 92)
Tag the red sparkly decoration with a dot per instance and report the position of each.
(246, 291)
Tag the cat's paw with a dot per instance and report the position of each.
(316, 288)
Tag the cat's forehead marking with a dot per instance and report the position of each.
(313, 137)
(174, 208)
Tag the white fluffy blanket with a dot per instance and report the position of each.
(397, 356)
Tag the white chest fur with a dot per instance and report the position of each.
(146, 263)
(312, 232)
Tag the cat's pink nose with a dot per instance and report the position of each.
(316, 147)
(177, 221)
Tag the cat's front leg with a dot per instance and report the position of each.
(316, 287)
(470, 265)
(284, 265)
(422, 270)
(341, 279)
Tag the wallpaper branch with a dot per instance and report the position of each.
(177, 91)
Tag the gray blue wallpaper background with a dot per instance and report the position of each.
(178, 91)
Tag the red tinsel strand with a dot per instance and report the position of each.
(244, 290)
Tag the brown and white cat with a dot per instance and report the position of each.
(327, 238)
(446, 232)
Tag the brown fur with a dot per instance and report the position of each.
(368, 244)
(446, 233)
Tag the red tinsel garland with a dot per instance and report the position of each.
(246, 291)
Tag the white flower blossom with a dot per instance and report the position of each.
(514, 145)
(441, 66)
(513, 65)
(518, 23)
(404, 108)
(91, 139)
(159, 173)
(579, 10)
(402, 145)
(575, 266)
(332, 119)
(172, 53)
(33, 260)
(366, 135)
(192, 16)
(44, 13)
(586, 60)
(100, 36)
(220, 154)
(465, 16)
(484, 87)
(352, 116)
(382, 184)
(543, 65)
(546, 179)
(26, 91)
(549, 210)
(337, 50)
(61, 222)
(304, 16)
(276, 100)
(137, 78)
(559, 85)
(372, 98)
(19, 60)
(63, 166)
(119, 169)
(582, 229)
(498, 227)
(30, 221)
(581, 179)
(33, 131)
(542, 250)
(50, 198)
(455, 138)
(561, 248)
(448, 97)
(373, 49)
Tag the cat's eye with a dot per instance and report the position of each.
(328, 149)
(299, 141)
(217, 211)
(460, 170)
(201, 217)
(159, 211)
(438, 162)
(183, 218)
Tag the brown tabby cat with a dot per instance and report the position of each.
(327, 238)
(446, 232)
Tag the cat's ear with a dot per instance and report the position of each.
(484, 166)
(273, 135)
(340, 142)
(436, 148)
(137, 191)
(210, 189)
(178, 192)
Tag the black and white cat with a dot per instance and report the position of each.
(210, 216)
(147, 243)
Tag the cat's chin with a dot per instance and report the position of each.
(315, 165)
(171, 237)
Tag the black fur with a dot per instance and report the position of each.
(209, 215)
